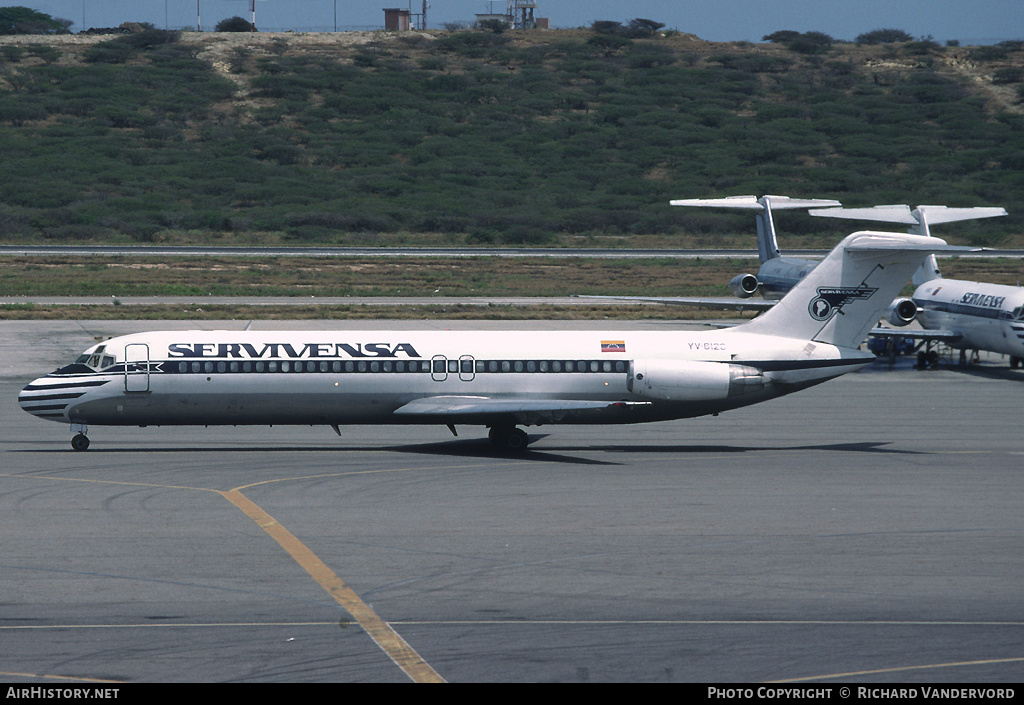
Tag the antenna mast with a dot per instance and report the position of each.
(520, 14)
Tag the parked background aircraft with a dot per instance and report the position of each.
(776, 274)
(500, 380)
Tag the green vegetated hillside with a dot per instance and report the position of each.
(482, 138)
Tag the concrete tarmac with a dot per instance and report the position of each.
(867, 530)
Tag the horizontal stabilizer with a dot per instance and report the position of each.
(755, 202)
(920, 218)
(882, 246)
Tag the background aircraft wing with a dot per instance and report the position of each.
(916, 334)
(717, 303)
(450, 409)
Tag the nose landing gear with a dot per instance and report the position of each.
(81, 441)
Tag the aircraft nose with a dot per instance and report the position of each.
(47, 398)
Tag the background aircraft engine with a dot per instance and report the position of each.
(901, 312)
(743, 285)
(692, 380)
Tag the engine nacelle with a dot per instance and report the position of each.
(743, 285)
(692, 380)
(901, 312)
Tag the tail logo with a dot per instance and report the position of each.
(831, 299)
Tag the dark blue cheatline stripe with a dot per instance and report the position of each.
(48, 397)
(961, 309)
(45, 407)
(480, 366)
(392, 366)
(67, 385)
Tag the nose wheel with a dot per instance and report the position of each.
(80, 442)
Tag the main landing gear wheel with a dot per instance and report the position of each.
(80, 442)
(513, 439)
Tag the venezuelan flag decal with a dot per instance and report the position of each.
(613, 346)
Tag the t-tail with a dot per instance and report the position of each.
(767, 240)
(841, 299)
(919, 219)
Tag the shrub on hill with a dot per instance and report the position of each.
(884, 36)
(802, 42)
(233, 24)
(23, 20)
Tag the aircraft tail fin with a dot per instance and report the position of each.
(840, 300)
(928, 270)
(767, 241)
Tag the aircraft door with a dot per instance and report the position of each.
(136, 367)
(439, 368)
(467, 368)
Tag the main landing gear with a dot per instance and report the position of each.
(508, 438)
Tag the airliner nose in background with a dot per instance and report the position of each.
(498, 380)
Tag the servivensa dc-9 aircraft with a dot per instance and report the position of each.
(499, 380)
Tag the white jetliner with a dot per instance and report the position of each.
(965, 315)
(500, 380)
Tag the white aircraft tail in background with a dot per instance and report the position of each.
(775, 274)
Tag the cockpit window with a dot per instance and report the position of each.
(96, 361)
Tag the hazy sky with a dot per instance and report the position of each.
(969, 21)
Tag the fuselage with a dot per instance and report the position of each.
(987, 316)
(339, 378)
(777, 276)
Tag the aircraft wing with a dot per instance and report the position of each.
(717, 303)
(525, 410)
(916, 334)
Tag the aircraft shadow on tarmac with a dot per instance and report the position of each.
(980, 370)
(482, 448)
(983, 372)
